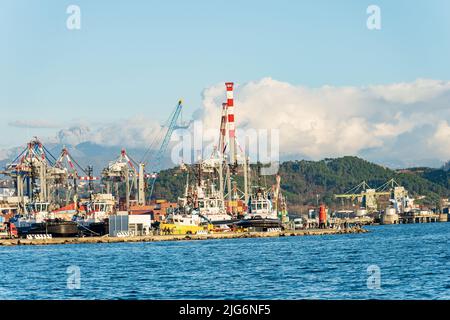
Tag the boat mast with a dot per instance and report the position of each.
(229, 185)
(199, 174)
(141, 185)
(90, 171)
(245, 179)
(220, 169)
(187, 185)
(126, 174)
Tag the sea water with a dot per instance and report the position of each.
(390, 262)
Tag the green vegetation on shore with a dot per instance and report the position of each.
(302, 180)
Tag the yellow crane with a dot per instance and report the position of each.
(365, 195)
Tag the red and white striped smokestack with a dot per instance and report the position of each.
(231, 126)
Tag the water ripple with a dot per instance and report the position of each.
(413, 260)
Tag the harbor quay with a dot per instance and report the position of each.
(173, 237)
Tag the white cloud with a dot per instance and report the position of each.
(422, 90)
(440, 141)
(335, 121)
(74, 135)
(402, 124)
(137, 132)
(34, 123)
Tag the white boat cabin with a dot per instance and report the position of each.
(261, 207)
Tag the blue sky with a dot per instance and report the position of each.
(137, 58)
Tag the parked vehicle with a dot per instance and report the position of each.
(8, 231)
(298, 223)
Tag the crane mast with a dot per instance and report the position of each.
(171, 126)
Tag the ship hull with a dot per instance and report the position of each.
(259, 223)
(170, 228)
(95, 229)
(55, 228)
(225, 222)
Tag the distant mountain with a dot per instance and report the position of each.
(74, 135)
(436, 176)
(303, 180)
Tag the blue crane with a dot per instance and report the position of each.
(171, 125)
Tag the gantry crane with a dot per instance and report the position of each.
(123, 169)
(35, 174)
(368, 196)
(73, 169)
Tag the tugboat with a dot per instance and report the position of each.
(203, 199)
(38, 220)
(94, 221)
(181, 223)
(261, 214)
(266, 209)
(207, 204)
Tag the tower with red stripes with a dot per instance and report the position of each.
(231, 125)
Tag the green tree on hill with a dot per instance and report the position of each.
(302, 181)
